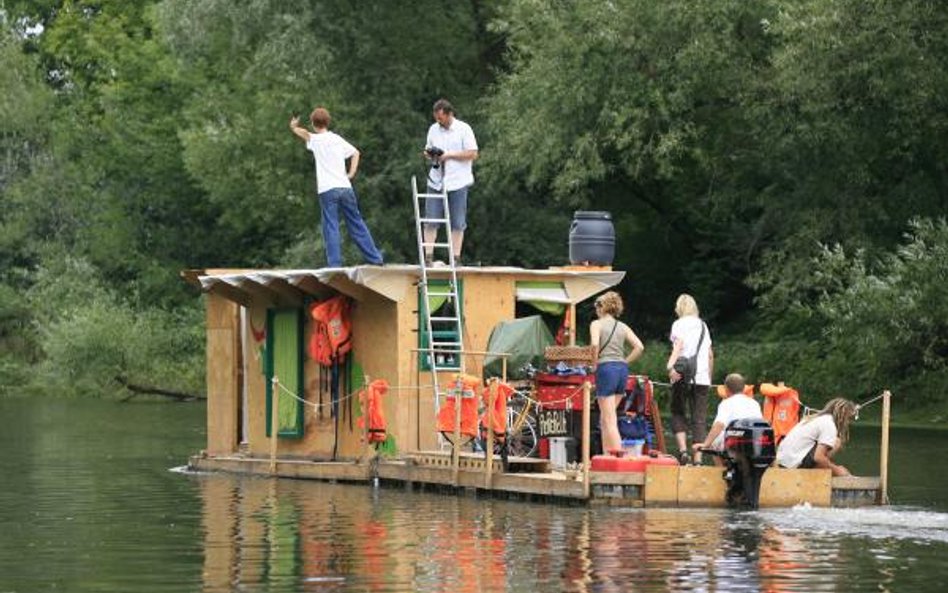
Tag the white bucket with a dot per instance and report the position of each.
(558, 456)
(632, 447)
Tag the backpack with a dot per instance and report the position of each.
(687, 366)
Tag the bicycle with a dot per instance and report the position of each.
(521, 438)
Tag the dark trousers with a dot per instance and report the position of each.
(690, 400)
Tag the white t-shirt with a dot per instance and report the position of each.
(330, 150)
(735, 407)
(688, 330)
(452, 174)
(802, 437)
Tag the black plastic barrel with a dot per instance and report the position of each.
(592, 238)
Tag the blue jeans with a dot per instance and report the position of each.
(344, 198)
(457, 206)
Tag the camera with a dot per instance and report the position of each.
(433, 153)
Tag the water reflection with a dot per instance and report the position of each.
(305, 536)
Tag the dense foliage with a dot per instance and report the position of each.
(784, 162)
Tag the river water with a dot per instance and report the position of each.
(91, 501)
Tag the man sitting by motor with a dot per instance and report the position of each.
(737, 405)
(813, 442)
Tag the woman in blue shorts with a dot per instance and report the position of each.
(612, 368)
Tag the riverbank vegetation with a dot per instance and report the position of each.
(783, 162)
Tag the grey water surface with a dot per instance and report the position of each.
(90, 500)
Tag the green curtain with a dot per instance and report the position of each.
(285, 361)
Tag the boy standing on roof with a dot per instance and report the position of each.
(736, 406)
(334, 187)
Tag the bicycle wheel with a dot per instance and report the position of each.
(521, 442)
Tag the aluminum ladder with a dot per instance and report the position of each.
(445, 349)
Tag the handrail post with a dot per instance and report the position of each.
(364, 405)
(456, 445)
(586, 433)
(884, 452)
(274, 421)
(491, 398)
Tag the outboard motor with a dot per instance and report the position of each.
(749, 449)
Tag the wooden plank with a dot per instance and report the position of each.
(618, 478)
(857, 483)
(782, 487)
(222, 373)
(701, 487)
(661, 485)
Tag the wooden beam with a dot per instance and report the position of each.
(259, 294)
(286, 292)
(313, 287)
(349, 288)
(231, 293)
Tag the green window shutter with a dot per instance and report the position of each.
(284, 359)
(437, 304)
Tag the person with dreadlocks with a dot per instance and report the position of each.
(814, 441)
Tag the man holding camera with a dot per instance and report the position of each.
(452, 148)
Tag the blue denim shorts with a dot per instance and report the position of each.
(457, 207)
(611, 378)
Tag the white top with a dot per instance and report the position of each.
(802, 437)
(452, 174)
(735, 407)
(688, 329)
(330, 150)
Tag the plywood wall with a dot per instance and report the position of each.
(223, 347)
(384, 339)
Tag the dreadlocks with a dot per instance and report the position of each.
(843, 411)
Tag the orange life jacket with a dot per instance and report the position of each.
(498, 419)
(332, 330)
(781, 408)
(723, 392)
(465, 386)
(372, 410)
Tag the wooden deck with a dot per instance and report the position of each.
(533, 479)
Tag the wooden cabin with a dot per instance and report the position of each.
(258, 327)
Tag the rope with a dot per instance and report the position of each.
(874, 399)
(315, 405)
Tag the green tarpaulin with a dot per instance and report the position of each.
(524, 339)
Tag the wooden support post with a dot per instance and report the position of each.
(884, 450)
(274, 421)
(587, 388)
(571, 312)
(489, 447)
(456, 445)
(363, 405)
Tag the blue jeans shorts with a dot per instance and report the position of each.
(611, 378)
(457, 207)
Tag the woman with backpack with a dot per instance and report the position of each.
(690, 366)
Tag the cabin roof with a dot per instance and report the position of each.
(393, 281)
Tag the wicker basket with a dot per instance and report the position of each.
(571, 355)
